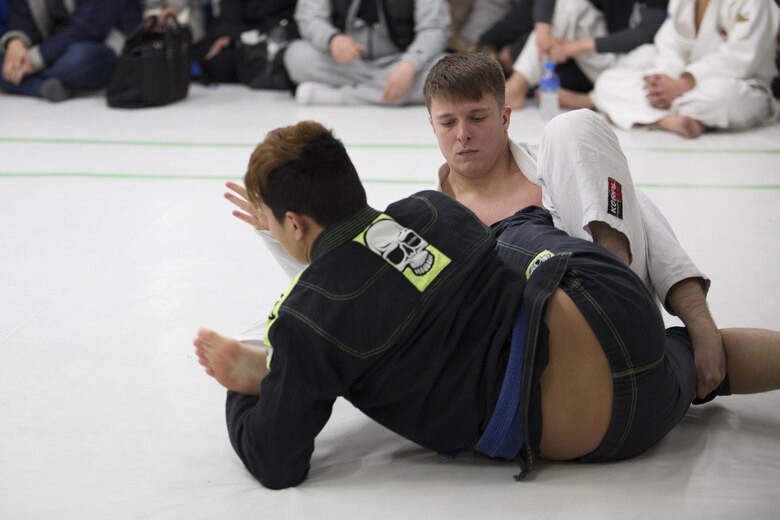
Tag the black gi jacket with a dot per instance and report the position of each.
(422, 354)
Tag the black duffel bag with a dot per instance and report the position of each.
(154, 67)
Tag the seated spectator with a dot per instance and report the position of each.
(351, 53)
(186, 12)
(594, 33)
(60, 47)
(216, 53)
(711, 68)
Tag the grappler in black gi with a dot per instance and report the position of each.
(517, 341)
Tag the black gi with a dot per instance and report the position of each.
(427, 364)
(408, 315)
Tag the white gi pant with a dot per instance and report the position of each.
(572, 20)
(582, 172)
(584, 177)
(724, 103)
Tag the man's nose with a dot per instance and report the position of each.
(463, 132)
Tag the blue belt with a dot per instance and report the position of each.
(504, 435)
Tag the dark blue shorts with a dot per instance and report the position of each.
(652, 368)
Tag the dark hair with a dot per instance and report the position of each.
(465, 76)
(305, 169)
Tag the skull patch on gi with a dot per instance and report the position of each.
(399, 246)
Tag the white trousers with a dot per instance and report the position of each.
(583, 173)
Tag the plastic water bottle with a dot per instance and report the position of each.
(549, 84)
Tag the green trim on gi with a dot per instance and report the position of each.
(342, 232)
(274, 316)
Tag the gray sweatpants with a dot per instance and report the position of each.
(361, 82)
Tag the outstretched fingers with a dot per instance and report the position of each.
(247, 212)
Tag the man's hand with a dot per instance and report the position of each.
(687, 300)
(544, 37)
(662, 89)
(163, 15)
(248, 212)
(218, 46)
(399, 81)
(345, 49)
(17, 63)
(561, 50)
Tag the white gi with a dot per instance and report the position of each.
(572, 20)
(578, 156)
(732, 59)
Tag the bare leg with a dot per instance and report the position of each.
(753, 359)
(571, 99)
(611, 239)
(236, 366)
(516, 90)
(682, 125)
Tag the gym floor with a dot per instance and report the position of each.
(116, 245)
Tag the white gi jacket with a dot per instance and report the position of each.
(731, 57)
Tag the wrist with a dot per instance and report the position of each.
(331, 39)
(688, 80)
(543, 28)
(588, 45)
(15, 43)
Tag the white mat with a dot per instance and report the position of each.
(115, 246)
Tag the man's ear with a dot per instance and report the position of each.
(297, 224)
(430, 122)
(506, 116)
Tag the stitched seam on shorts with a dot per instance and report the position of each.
(638, 370)
(632, 413)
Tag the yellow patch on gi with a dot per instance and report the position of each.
(405, 250)
(537, 261)
(743, 18)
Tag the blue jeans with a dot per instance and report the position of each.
(84, 66)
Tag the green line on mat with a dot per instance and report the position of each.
(186, 144)
(421, 182)
(156, 176)
(367, 146)
(741, 151)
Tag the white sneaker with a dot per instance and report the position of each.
(312, 93)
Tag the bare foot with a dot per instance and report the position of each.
(681, 125)
(516, 90)
(571, 99)
(236, 366)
